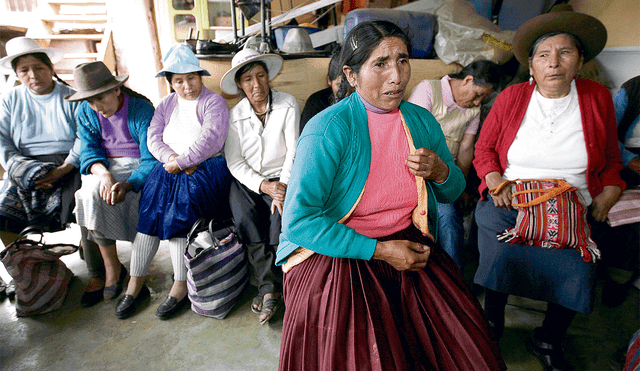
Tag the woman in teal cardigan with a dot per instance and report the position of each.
(114, 163)
(365, 285)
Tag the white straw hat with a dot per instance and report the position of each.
(20, 46)
(244, 57)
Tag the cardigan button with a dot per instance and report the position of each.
(424, 234)
(422, 212)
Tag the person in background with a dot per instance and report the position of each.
(114, 163)
(366, 286)
(260, 149)
(623, 259)
(555, 126)
(191, 180)
(325, 97)
(455, 102)
(38, 144)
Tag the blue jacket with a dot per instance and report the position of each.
(90, 132)
(620, 103)
(330, 171)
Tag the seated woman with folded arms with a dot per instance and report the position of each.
(191, 181)
(114, 163)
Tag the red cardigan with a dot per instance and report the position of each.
(598, 123)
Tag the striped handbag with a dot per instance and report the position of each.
(217, 269)
(41, 278)
(551, 214)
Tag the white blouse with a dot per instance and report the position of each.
(183, 128)
(255, 152)
(550, 143)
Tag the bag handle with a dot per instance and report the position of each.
(546, 193)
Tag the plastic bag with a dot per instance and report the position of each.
(464, 36)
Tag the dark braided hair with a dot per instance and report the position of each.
(42, 57)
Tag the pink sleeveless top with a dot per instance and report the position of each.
(390, 193)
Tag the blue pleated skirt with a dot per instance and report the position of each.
(171, 203)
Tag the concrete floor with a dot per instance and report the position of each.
(75, 338)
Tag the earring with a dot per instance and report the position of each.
(530, 79)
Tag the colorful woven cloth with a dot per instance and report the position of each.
(21, 201)
(551, 214)
(633, 354)
(627, 209)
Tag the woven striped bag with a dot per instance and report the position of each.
(217, 267)
(41, 278)
(551, 214)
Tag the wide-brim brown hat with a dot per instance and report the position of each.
(94, 78)
(589, 30)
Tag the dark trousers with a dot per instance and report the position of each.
(259, 231)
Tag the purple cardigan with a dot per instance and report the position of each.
(213, 115)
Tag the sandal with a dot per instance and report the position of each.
(256, 304)
(270, 307)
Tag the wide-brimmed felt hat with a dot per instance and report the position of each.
(180, 60)
(589, 30)
(19, 46)
(93, 78)
(244, 57)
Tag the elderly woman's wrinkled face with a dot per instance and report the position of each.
(383, 77)
(187, 85)
(35, 75)
(554, 64)
(107, 103)
(255, 85)
(467, 94)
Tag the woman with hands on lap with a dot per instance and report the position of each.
(114, 163)
(187, 134)
(260, 149)
(366, 286)
(555, 126)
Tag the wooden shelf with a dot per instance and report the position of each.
(76, 2)
(81, 55)
(95, 37)
(92, 18)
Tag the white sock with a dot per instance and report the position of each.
(176, 249)
(144, 249)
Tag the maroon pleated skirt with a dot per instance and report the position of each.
(350, 314)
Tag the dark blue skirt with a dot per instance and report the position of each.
(171, 203)
(551, 275)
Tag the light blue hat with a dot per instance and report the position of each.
(180, 59)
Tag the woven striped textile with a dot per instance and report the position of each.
(627, 209)
(556, 223)
(633, 354)
(41, 277)
(217, 269)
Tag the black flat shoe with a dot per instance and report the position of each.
(10, 291)
(170, 307)
(91, 298)
(550, 356)
(128, 305)
(112, 292)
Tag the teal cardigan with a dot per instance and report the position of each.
(330, 171)
(90, 133)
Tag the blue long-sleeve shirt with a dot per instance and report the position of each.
(34, 125)
(620, 103)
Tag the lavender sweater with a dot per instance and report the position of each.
(213, 115)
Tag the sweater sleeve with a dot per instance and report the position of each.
(142, 112)
(161, 117)
(91, 149)
(486, 155)
(620, 104)
(7, 147)
(215, 126)
(304, 220)
(610, 174)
